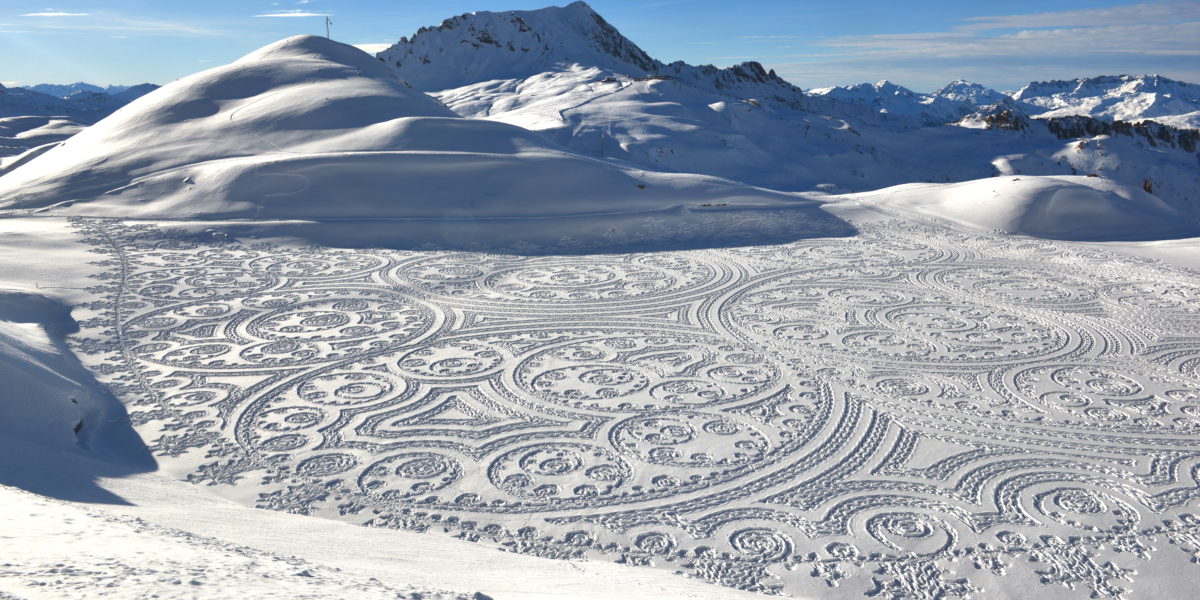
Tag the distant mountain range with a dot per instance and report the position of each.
(569, 74)
(81, 102)
(70, 89)
(1118, 97)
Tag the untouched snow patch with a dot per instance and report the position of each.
(1064, 208)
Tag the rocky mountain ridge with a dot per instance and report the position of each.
(517, 44)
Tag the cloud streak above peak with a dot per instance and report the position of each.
(56, 13)
(1148, 37)
(291, 14)
(1157, 12)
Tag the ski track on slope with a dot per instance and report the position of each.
(913, 412)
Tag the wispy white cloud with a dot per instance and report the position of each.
(769, 37)
(1013, 49)
(662, 3)
(1142, 38)
(117, 24)
(55, 13)
(291, 14)
(1157, 12)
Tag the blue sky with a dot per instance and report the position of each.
(920, 44)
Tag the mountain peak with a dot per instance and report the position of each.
(484, 45)
(489, 46)
(961, 90)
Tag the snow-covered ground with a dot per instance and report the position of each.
(918, 409)
(291, 327)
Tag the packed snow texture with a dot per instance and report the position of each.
(152, 536)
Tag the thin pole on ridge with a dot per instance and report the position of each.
(328, 23)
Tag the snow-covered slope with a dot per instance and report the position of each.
(1117, 97)
(48, 400)
(1061, 208)
(19, 135)
(308, 128)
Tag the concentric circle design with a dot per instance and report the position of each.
(450, 360)
(622, 372)
(200, 283)
(910, 411)
(351, 388)
(690, 439)
(896, 326)
(917, 533)
(762, 544)
(1019, 285)
(554, 472)
(409, 475)
(1108, 394)
(554, 281)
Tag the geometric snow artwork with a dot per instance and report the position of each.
(913, 412)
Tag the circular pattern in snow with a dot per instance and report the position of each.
(890, 408)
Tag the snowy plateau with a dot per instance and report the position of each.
(513, 310)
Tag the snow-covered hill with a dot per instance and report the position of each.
(308, 128)
(1063, 208)
(1118, 97)
(20, 135)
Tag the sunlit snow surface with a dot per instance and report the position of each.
(910, 412)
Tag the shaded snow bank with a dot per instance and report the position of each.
(1062, 208)
(49, 397)
(51, 405)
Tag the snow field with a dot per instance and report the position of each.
(864, 411)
